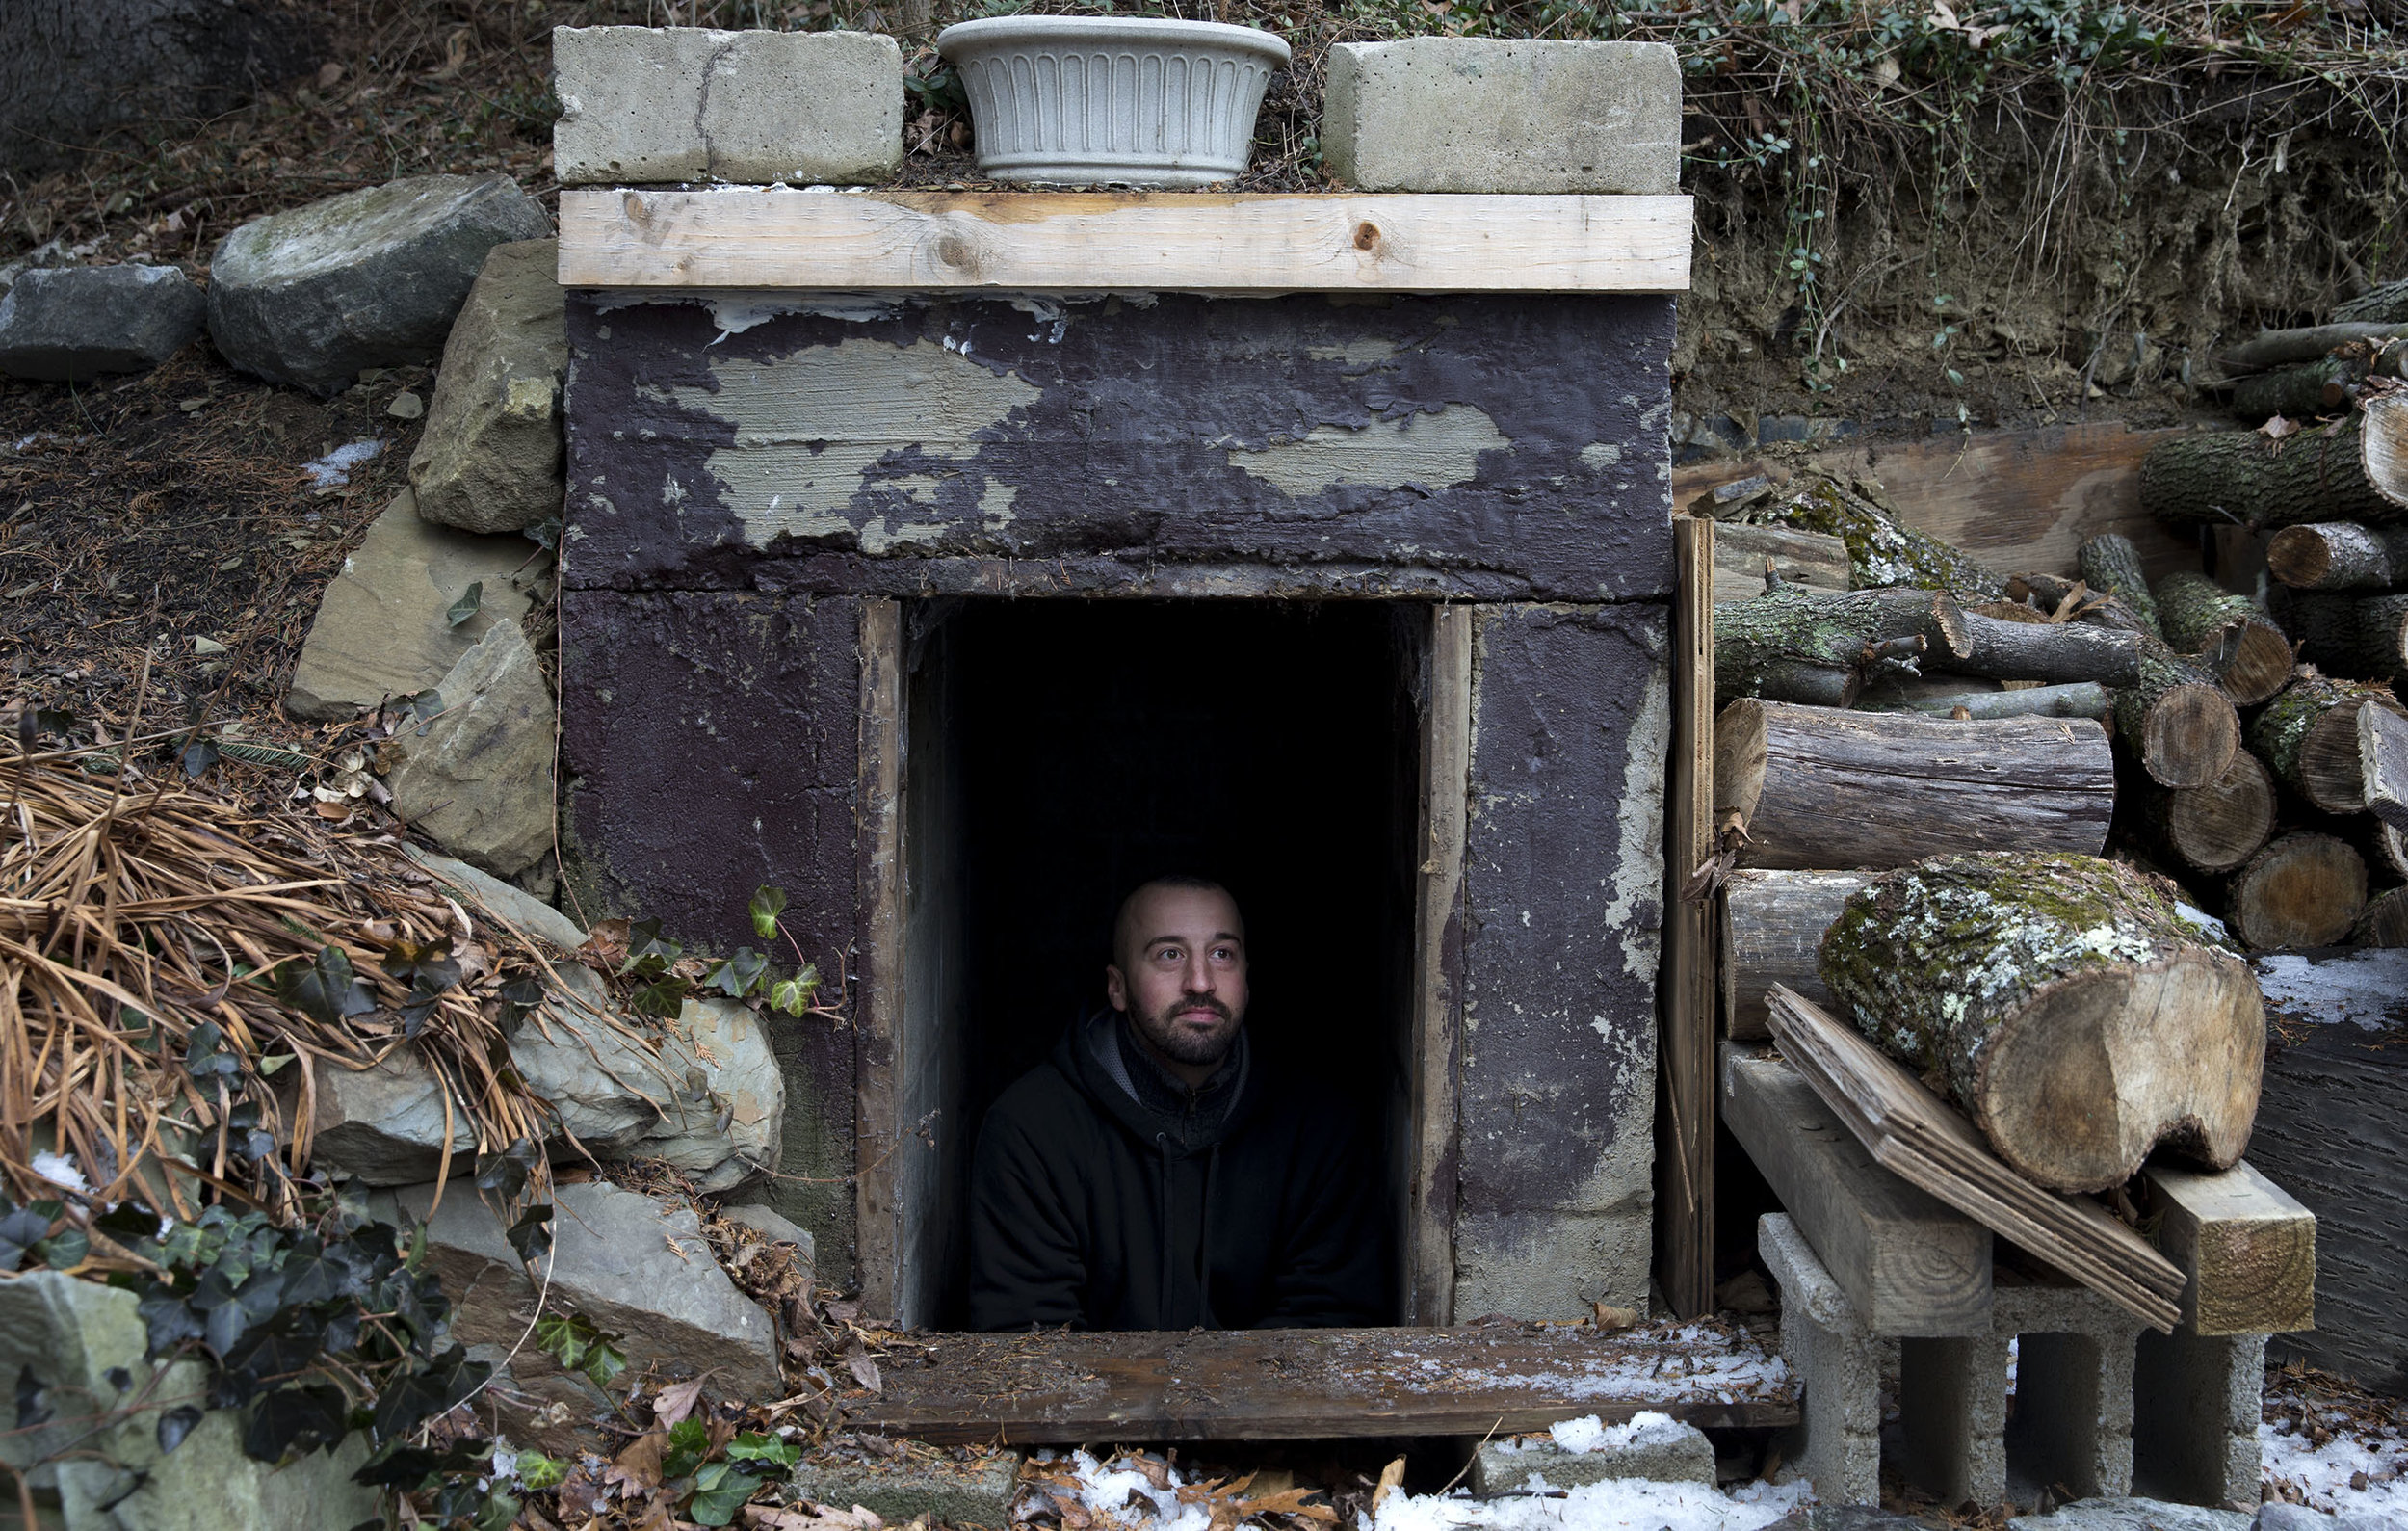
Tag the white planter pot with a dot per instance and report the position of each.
(1088, 101)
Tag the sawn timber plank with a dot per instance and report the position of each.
(1306, 1383)
(756, 237)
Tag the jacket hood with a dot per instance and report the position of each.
(1091, 1055)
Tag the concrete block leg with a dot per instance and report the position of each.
(2072, 1428)
(1837, 1358)
(2196, 1404)
(1953, 1408)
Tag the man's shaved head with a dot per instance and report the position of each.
(1125, 932)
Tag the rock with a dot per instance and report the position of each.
(383, 628)
(978, 1493)
(613, 1095)
(2276, 1516)
(1488, 115)
(532, 1401)
(478, 776)
(775, 1227)
(634, 1268)
(66, 1335)
(498, 898)
(369, 279)
(1653, 1446)
(77, 321)
(652, 104)
(490, 457)
(2131, 1514)
(383, 1124)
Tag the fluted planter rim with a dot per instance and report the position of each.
(1004, 31)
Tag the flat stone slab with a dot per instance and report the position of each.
(382, 627)
(79, 322)
(476, 777)
(489, 459)
(1483, 115)
(370, 278)
(1653, 1446)
(976, 1492)
(667, 104)
(2131, 1514)
(521, 908)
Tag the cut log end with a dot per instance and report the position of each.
(2080, 1091)
(2252, 660)
(2191, 735)
(2383, 446)
(2332, 766)
(2384, 922)
(2217, 827)
(2305, 889)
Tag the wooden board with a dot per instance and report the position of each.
(1916, 1134)
(1438, 943)
(2248, 1246)
(1271, 1385)
(877, 1131)
(738, 237)
(1772, 933)
(1685, 1131)
(1801, 558)
(1911, 1266)
(2016, 501)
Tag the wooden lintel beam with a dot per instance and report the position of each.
(1011, 242)
(2246, 1245)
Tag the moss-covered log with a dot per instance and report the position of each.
(2209, 829)
(2339, 555)
(1881, 551)
(2323, 386)
(1809, 645)
(2355, 469)
(2311, 738)
(2178, 723)
(1821, 789)
(2066, 1003)
(2111, 564)
(2304, 890)
(2045, 651)
(2230, 636)
(2341, 633)
(2384, 922)
(2082, 699)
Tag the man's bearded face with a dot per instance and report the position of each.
(1182, 976)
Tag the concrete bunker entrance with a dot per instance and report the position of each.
(1055, 753)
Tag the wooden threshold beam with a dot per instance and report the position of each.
(1260, 243)
(1310, 1384)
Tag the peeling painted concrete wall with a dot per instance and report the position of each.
(740, 477)
(1571, 713)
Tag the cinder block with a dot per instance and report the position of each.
(1651, 1446)
(2196, 1406)
(1952, 1411)
(2073, 1420)
(978, 1493)
(1837, 1360)
(1478, 115)
(654, 104)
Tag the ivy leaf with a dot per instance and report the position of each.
(205, 1056)
(689, 1442)
(649, 953)
(296, 1419)
(64, 1250)
(768, 902)
(544, 534)
(752, 1447)
(411, 962)
(539, 1473)
(794, 995)
(720, 1489)
(199, 754)
(420, 1395)
(531, 1234)
(174, 1425)
(504, 1174)
(325, 989)
(405, 1467)
(665, 996)
(21, 1230)
(460, 610)
(736, 976)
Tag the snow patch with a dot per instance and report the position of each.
(2325, 1477)
(1617, 1504)
(2368, 987)
(334, 469)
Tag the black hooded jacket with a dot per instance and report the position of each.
(1107, 1195)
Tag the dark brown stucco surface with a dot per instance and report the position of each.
(1138, 434)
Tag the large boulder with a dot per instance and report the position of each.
(490, 457)
(383, 626)
(386, 1123)
(75, 323)
(633, 1266)
(79, 1346)
(370, 278)
(476, 777)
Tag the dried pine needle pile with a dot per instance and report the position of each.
(177, 971)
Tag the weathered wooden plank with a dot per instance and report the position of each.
(1271, 1385)
(877, 1130)
(2013, 500)
(1799, 558)
(1772, 925)
(1090, 241)
(1438, 960)
(2246, 1246)
(1686, 1195)
(1910, 1266)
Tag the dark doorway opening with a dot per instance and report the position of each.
(1057, 753)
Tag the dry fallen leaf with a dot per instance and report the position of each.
(2276, 427)
(1391, 1478)
(638, 1468)
(676, 1401)
(1611, 1317)
(865, 1372)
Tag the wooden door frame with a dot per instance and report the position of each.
(1684, 1131)
(1435, 983)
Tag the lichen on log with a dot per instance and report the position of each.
(2230, 637)
(2308, 737)
(2111, 564)
(1881, 551)
(1807, 646)
(2347, 472)
(2067, 1003)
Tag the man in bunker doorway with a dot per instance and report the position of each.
(1158, 1172)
